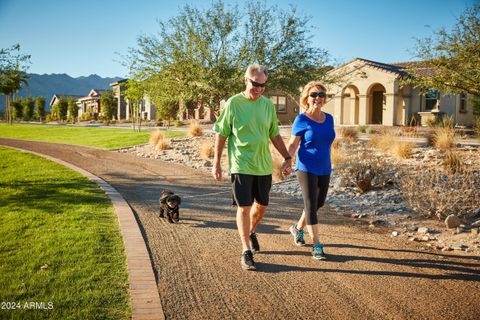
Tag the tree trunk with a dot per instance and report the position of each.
(9, 110)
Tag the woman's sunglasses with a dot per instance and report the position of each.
(320, 94)
(257, 84)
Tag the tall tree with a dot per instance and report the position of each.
(62, 107)
(134, 94)
(28, 108)
(200, 55)
(40, 108)
(13, 66)
(17, 109)
(281, 40)
(72, 110)
(107, 101)
(452, 57)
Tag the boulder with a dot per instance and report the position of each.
(452, 221)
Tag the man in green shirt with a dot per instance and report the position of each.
(249, 120)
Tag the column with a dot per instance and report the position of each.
(389, 109)
(363, 108)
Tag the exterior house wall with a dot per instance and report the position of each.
(464, 117)
(121, 104)
(149, 111)
(286, 107)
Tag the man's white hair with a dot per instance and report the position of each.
(253, 68)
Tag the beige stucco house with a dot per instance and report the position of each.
(90, 103)
(370, 92)
(147, 109)
(56, 97)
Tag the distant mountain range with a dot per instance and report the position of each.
(49, 84)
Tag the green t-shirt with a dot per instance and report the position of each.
(248, 125)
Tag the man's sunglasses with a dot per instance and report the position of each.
(320, 94)
(257, 84)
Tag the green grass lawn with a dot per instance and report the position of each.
(60, 244)
(105, 138)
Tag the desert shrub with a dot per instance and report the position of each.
(446, 122)
(443, 138)
(402, 149)
(433, 193)
(453, 162)
(362, 129)
(365, 172)
(195, 130)
(155, 136)
(409, 131)
(370, 130)
(476, 126)
(162, 144)
(396, 132)
(431, 122)
(177, 123)
(349, 134)
(338, 155)
(413, 120)
(382, 142)
(206, 150)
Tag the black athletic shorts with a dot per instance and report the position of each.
(247, 188)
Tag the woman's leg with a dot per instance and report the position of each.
(322, 189)
(309, 186)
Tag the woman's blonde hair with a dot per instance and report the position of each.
(306, 89)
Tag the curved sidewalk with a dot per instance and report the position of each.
(144, 295)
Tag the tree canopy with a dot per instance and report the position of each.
(13, 66)
(450, 60)
(201, 55)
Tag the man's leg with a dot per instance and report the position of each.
(243, 225)
(256, 214)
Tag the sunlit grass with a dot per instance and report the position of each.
(105, 138)
(60, 243)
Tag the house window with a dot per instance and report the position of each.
(431, 99)
(280, 103)
(463, 103)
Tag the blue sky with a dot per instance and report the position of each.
(82, 37)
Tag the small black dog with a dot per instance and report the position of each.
(169, 205)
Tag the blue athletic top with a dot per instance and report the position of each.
(314, 152)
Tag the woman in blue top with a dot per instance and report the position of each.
(313, 131)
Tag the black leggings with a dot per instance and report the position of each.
(314, 191)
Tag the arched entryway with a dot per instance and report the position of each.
(376, 103)
(350, 105)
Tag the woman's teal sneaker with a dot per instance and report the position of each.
(317, 252)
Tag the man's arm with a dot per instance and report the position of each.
(218, 150)
(280, 146)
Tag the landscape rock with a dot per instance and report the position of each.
(422, 230)
(452, 221)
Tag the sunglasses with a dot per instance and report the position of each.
(257, 84)
(320, 94)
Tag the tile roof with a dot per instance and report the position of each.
(398, 68)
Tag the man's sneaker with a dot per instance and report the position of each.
(297, 236)
(247, 260)
(254, 242)
(318, 253)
